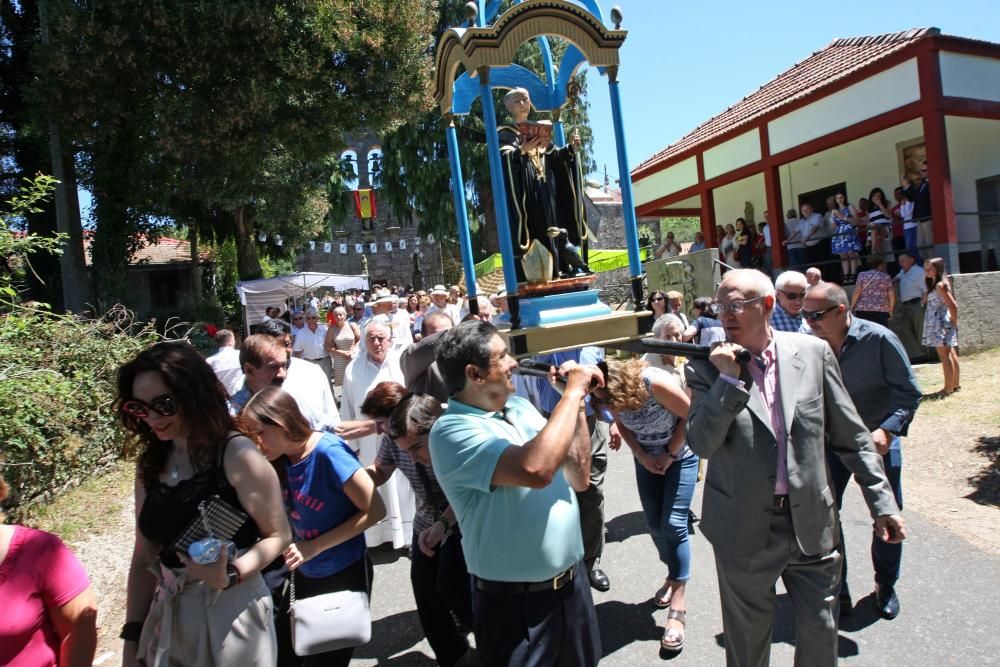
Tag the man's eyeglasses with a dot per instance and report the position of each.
(161, 405)
(816, 315)
(793, 296)
(736, 307)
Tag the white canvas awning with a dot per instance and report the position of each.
(256, 295)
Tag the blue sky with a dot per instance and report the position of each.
(684, 62)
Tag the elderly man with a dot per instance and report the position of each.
(793, 240)
(266, 359)
(509, 475)
(813, 276)
(699, 242)
(377, 362)
(768, 510)
(308, 343)
(790, 289)
(881, 383)
(226, 362)
(420, 371)
(912, 290)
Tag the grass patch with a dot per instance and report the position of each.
(85, 510)
(976, 403)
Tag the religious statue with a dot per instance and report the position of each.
(544, 197)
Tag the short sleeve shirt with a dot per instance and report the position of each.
(509, 533)
(317, 503)
(38, 572)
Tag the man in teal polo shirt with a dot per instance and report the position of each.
(510, 476)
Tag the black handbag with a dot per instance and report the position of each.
(216, 519)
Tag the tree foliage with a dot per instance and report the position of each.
(226, 115)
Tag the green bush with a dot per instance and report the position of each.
(57, 386)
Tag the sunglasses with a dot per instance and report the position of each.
(657, 298)
(794, 296)
(161, 405)
(816, 315)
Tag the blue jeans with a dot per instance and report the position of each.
(910, 244)
(886, 558)
(797, 258)
(665, 502)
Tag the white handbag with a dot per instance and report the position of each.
(330, 621)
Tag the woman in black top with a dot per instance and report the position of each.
(180, 612)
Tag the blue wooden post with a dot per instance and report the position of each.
(499, 192)
(461, 214)
(624, 175)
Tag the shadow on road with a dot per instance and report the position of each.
(784, 627)
(392, 634)
(622, 623)
(625, 526)
(987, 480)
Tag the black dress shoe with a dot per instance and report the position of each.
(599, 581)
(886, 601)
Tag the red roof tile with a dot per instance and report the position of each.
(165, 251)
(820, 70)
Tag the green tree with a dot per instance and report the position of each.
(225, 115)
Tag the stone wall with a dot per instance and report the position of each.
(978, 324)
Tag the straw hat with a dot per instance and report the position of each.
(439, 289)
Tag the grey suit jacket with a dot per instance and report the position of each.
(731, 427)
(420, 371)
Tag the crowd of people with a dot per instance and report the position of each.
(407, 422)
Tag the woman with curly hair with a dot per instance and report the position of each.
(649, 406)
(179, 611)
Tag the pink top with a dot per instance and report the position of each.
(766, 379)
(38, 572)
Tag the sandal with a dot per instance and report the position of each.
(661, 598)
(673, 639)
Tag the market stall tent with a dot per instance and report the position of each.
(256, 295)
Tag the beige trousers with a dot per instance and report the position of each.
(191, 625)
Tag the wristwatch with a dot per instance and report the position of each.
(233, 574)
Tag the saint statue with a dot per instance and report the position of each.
(544, 197)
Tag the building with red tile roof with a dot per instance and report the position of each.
(852, 116)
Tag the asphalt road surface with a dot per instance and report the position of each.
(949, 594)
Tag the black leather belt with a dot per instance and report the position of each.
(916, 300)
(780, 503)
(553, 584)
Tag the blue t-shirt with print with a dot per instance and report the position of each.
(317, 503)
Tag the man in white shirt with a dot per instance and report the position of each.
(793, 241)
(377, 362)
(298, 323)
(309, 341)
(226, 362)
(909, 325)
(266, 359)
(811, 230)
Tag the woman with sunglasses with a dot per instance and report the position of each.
(179, 611)
(438, 572)
(330, 500)
(657, 303)
(941, 322)
(649, 406)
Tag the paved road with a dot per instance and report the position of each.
(949, 591)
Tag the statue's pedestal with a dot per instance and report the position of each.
(606, 329)
(554, 308)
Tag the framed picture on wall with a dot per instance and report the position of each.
(911, 155)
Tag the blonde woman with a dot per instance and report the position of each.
(650, 406)
(341, 344)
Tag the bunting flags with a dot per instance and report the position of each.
(359, 249)
(343, 248)
(312, 245)
(327, 247)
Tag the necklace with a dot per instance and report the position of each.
(175, 473)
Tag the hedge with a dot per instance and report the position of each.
(57, 386)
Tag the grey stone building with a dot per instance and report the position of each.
(392, 251)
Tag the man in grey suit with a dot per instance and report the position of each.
(768, 508)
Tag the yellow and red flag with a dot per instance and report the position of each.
(364, 203)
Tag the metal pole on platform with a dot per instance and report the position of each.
(625, 180)
(499, 196)
(461, 213)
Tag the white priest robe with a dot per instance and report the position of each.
(360, 377)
